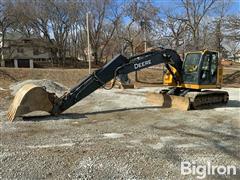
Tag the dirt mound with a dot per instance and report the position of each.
(229, 63)
(6, 79)
(233, 78)
(50, 86)
(226, 63)
(6, 76)
(67, 77)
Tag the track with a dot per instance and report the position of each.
(207, 98)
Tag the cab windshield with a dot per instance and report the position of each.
(191, 62)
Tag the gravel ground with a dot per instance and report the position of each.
(117, 135)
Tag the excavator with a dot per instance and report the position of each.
(191, 83)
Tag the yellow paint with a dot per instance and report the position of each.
(198, 86)
(169, 81)
(202, 51)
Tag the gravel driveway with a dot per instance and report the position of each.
(118, 135)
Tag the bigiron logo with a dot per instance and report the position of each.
(142, 64)
(201, 171)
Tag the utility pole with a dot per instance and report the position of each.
(184, 39)
(145, 37)
(88, 44)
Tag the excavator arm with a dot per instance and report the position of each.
(118, 65)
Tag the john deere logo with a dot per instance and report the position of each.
(142, 64)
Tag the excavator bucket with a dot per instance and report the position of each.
(169, 101)
(30, 98)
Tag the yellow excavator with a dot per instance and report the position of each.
(189, 83)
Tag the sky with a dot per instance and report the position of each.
(172, 4)
(236, 7)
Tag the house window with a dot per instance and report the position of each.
(26, 41)
(36, 51)
(20, 50)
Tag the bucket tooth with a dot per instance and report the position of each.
(169, 101)
(30, 98)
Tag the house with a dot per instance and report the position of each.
(24, 52)
(235, 57)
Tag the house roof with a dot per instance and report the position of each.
(17, 39)
(28, 42)
(12, 35)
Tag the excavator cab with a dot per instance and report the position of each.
(201, 71)
(201, 68)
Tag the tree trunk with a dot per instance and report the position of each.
(195, 40)
(2, 49)
(96, 59)
(176, 44)
(132, 54)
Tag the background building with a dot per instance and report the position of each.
(25, 52)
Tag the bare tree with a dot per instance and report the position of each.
(6, 21)
(131, 37)
(119, 26)
(177, 28)
(232, 36)
(143, 16)
(233, 47)
(195, 12)
(232, 26)
(104, 17)
(50, 20)
(61, 15)
(33, 19)
(221, 11)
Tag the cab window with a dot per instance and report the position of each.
(214, 64)
(208, 71)
(191, 62)
(204, 75)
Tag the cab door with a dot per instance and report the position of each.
(208, 68)
(191, 68)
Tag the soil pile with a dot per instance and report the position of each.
(51, 86)
(232, 79)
